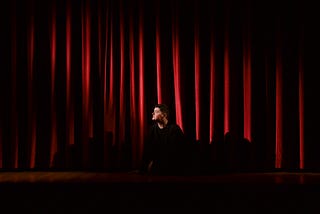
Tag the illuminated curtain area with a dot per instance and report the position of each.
(79, 80)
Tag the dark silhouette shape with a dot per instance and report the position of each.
(165, 148)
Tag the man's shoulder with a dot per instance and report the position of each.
(174, 126)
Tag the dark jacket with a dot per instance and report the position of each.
(166, 148)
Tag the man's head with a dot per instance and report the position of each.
(160, 112)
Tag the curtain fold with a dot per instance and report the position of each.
(81, 78)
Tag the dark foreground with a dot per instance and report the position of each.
(100, 192)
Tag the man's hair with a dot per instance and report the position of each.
(163, 108)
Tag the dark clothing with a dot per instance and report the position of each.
(165, 148)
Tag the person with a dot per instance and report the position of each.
(164, 149)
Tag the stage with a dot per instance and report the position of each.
(123, 192)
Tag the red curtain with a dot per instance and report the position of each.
(79, 80)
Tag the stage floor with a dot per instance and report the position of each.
(102, 192)
(247, 178)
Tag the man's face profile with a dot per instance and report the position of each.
(157, 115)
